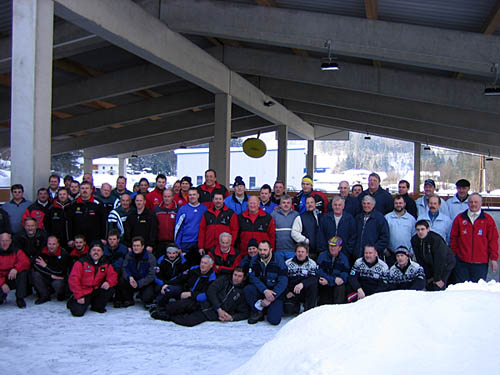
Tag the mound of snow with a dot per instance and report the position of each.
(409, 332)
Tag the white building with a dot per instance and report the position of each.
(255, 172)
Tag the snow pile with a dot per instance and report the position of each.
(409, 332)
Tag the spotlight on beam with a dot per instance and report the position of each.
(329, 63)
(495, 89)
(269, 103)
(489, 158)
(427, 148)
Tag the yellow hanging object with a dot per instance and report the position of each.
(254, 147)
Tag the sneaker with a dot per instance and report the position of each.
(255, 316)
(20, 303)
(41, 300)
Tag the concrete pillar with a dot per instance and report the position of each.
(282, 152)
(222, 137)
(211, 155)
(417, 160)
(87, 164)
(310, 158)
(31, 93)
(122, 165)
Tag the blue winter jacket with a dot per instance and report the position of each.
(330, 268)
(235, 205)
(187, 223)
(117, 256)
(374, 231)
(345, 230)
(274, 276)
(142, 271)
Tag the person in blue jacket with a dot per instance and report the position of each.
(169, 266)
(268, 276)
(187, 226)
(238, 201)
(384, 201)
(333, 270)
(371, 228)
(115, 251)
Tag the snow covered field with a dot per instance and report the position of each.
(455, 331)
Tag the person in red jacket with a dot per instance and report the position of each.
(474, 240)
(91, 280)
(182, 197)
(14, 266)
(155, 197)
(216, 220)
(210, 187)
(255, 223)
(165, 213)
(39, 209)
(226, 257)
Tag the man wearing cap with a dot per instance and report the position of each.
(299, 202)
(210, 187)
(440, 223)
(333, 269)
(91, 280)
(401, 229)
(238, 201)
(405, 274)
(460, 201)
(423, 202)
(337, 223)
(384, 202)
(368, 275)
(252, 251)
(411, 206)
(434, 255)
(182, 197)
(474, 240)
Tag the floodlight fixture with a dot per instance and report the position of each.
(329, 63)
(495, 89)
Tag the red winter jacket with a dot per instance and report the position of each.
(12, 258)
(214, 223)
(207, 193)
(37, 212)
(154, 198)
(86, 276)
(165, 216)
(476, 243)
(180, 200)
(225, 263)
(261, 227)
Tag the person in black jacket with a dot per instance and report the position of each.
(49, 271)
(60, 218)
(196, 281)
(169, 265)
(434, 255)
(31, 239)
(138, 273)
(4, 222)
(141, 223)
(89, 218)
(225, 303)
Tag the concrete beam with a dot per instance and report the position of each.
(405, 109)
(403, 135)
(187, 122)
(175, 139)
(383, 81)
(132, 112)
(128, 26)
(410, 126)
(417, 165)
(310, 158)
(69, 40)
(450, 50)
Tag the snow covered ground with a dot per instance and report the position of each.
(455, 331)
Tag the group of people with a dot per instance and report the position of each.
(192, 254)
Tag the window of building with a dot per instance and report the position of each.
(252, 182)
(199, 180)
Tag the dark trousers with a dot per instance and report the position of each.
(20, 284)
(190, 249)
(470, 271)
(274, 310)
(97, 301)
(172, 291)
(331, 294)
(185, 312)
(125, 292)
(43, 284)
(308, 295)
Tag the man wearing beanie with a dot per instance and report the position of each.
(299, 203)
(182, 197)
(405, 274)
(238, 201)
